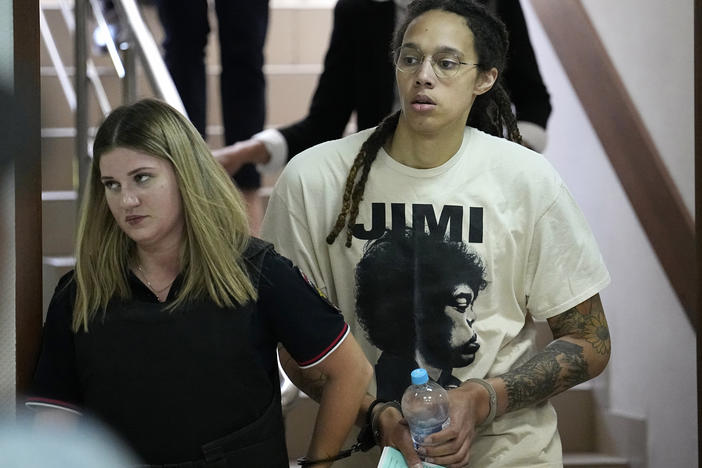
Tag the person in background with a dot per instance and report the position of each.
(168, 327)
(242, 27)
(448, 168)
(358, 79)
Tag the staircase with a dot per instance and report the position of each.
(293, 62)
(294, 54)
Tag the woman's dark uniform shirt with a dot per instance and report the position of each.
(169, 382)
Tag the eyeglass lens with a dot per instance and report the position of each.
(445, 64)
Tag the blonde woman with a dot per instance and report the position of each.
(167, 329)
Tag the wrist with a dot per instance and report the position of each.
(486, 410)
(260, 153)
(384, 414)
(276, 151)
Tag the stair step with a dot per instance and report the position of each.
(578, 460)
(593, 460)
(576, 422)
(57, 157)
(59, 217)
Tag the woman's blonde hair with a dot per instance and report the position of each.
(216, 230)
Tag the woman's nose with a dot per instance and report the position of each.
(129, 198)
(425, 74)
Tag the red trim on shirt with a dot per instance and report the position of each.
(326, 350)
(52, 402)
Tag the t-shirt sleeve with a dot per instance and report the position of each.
(565, 266)
(55, 382)
(297, 313)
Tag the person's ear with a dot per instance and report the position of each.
(485, 81)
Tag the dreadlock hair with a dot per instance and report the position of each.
(491, 111)
(353, 192)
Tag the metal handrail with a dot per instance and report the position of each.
(109, 42)
(91, 70)
(56, 61)
(139, 42)
(154, 66)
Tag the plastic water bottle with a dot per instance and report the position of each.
(425, 406)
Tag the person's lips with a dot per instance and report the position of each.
(134, 219)
(422, 102)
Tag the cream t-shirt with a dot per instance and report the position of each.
(501, 203)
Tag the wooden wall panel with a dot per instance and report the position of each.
(28, 259)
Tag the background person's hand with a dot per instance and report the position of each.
(234, 156)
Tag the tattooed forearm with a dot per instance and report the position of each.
(580, 352)
(558, 367)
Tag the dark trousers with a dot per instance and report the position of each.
(242, 26)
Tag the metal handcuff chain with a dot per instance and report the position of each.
(366, 440)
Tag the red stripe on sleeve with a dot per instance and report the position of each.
(326, 350)
(50, 401)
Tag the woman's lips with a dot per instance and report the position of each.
(421, 107)
(422, 103)
(134, 219)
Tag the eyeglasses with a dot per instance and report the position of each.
(444, 64)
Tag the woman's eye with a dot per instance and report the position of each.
(111, 185)
(448, 64)
(141, 178)
(410, 60)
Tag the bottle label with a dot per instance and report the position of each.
(421, 433)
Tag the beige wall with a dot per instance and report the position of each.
(652, 373)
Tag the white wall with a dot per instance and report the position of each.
(652, 373)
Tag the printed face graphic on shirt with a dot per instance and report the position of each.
(446, 337)
(415, 294)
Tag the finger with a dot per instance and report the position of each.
(463, 463)
(439, 450)
(451, 446)
(406, 447)
(453, 460)
(443, 436)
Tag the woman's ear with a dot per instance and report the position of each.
(485, 81)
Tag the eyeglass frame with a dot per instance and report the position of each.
(432, 62)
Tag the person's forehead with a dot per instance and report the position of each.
(124, 158)
(437, 29)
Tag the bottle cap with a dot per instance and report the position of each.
(419, 376)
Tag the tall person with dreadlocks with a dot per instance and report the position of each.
(441, 238)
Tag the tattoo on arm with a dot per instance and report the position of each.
(314, 385)
(587, 321)
(310, 381)
(562, 364)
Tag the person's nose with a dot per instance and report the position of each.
(470, 315)
(129, 198)
(425, 74)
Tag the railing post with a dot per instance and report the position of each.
(129, 84)
(81, 55)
